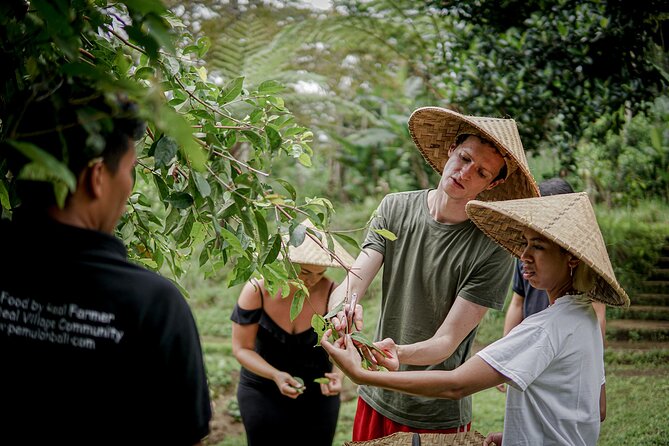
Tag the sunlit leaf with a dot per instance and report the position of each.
(232, 90)
(385, 233)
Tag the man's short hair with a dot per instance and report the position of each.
(462, 137)
(75, 124)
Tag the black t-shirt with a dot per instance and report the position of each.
(95, 350)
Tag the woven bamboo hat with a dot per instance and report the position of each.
(471, 438)
(567, 219)
(310, 253)
(434, 129)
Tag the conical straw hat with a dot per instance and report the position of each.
(310, 253)
(434, 129)
(567, 219)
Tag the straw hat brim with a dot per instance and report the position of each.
(568, 220)
(435, 129)
(311, 253)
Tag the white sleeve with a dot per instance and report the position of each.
(521, 355)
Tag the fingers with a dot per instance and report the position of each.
(351, 307)
(289, 390)
(325, 341)
(340, 322)
(334, 386)
(357, 317)
(493, 438)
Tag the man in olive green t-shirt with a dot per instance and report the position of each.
(442, 273)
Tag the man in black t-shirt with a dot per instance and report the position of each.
(95, 350)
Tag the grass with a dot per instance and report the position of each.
(637, 382)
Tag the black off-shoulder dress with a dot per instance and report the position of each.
(270, 417)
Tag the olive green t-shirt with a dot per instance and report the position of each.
(425, 269)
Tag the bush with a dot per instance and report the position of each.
(627, 167)
(634, 238)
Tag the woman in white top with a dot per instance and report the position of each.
(553, 361)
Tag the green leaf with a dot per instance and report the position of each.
(318, 323)
(305, 160)
(163, 190)
(184, 229)
(263, 233)
(296, 305)
(385, 233)
(332, 313)
(204, 256)
(297, 236)
(180, 200)
(145, 73)
(254, 139)
(273, 251)
(175, 125)
(274, 137)
(300, 381)
(232, 240)
(322, 380)
(345, 238)
(270, 87)
(231, 90)
(166, 150)
(52, 169)
(289, 188)
(242, 272)
(4, 196)
(201, 183)
(361, 338)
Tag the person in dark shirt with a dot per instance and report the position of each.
(95, 349)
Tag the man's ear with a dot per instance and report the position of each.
(93, 179)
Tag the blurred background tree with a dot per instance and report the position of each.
(356, 72)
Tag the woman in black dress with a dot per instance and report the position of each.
(273, 351)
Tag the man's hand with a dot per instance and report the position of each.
(346, 320)
(288, 385)
(494, 438)
(344, 354)
(391, 361)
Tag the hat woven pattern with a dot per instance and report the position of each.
(471, 438)
(311, 253)
(435, 129)
(567, 220)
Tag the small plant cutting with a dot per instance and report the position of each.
(321, 324)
